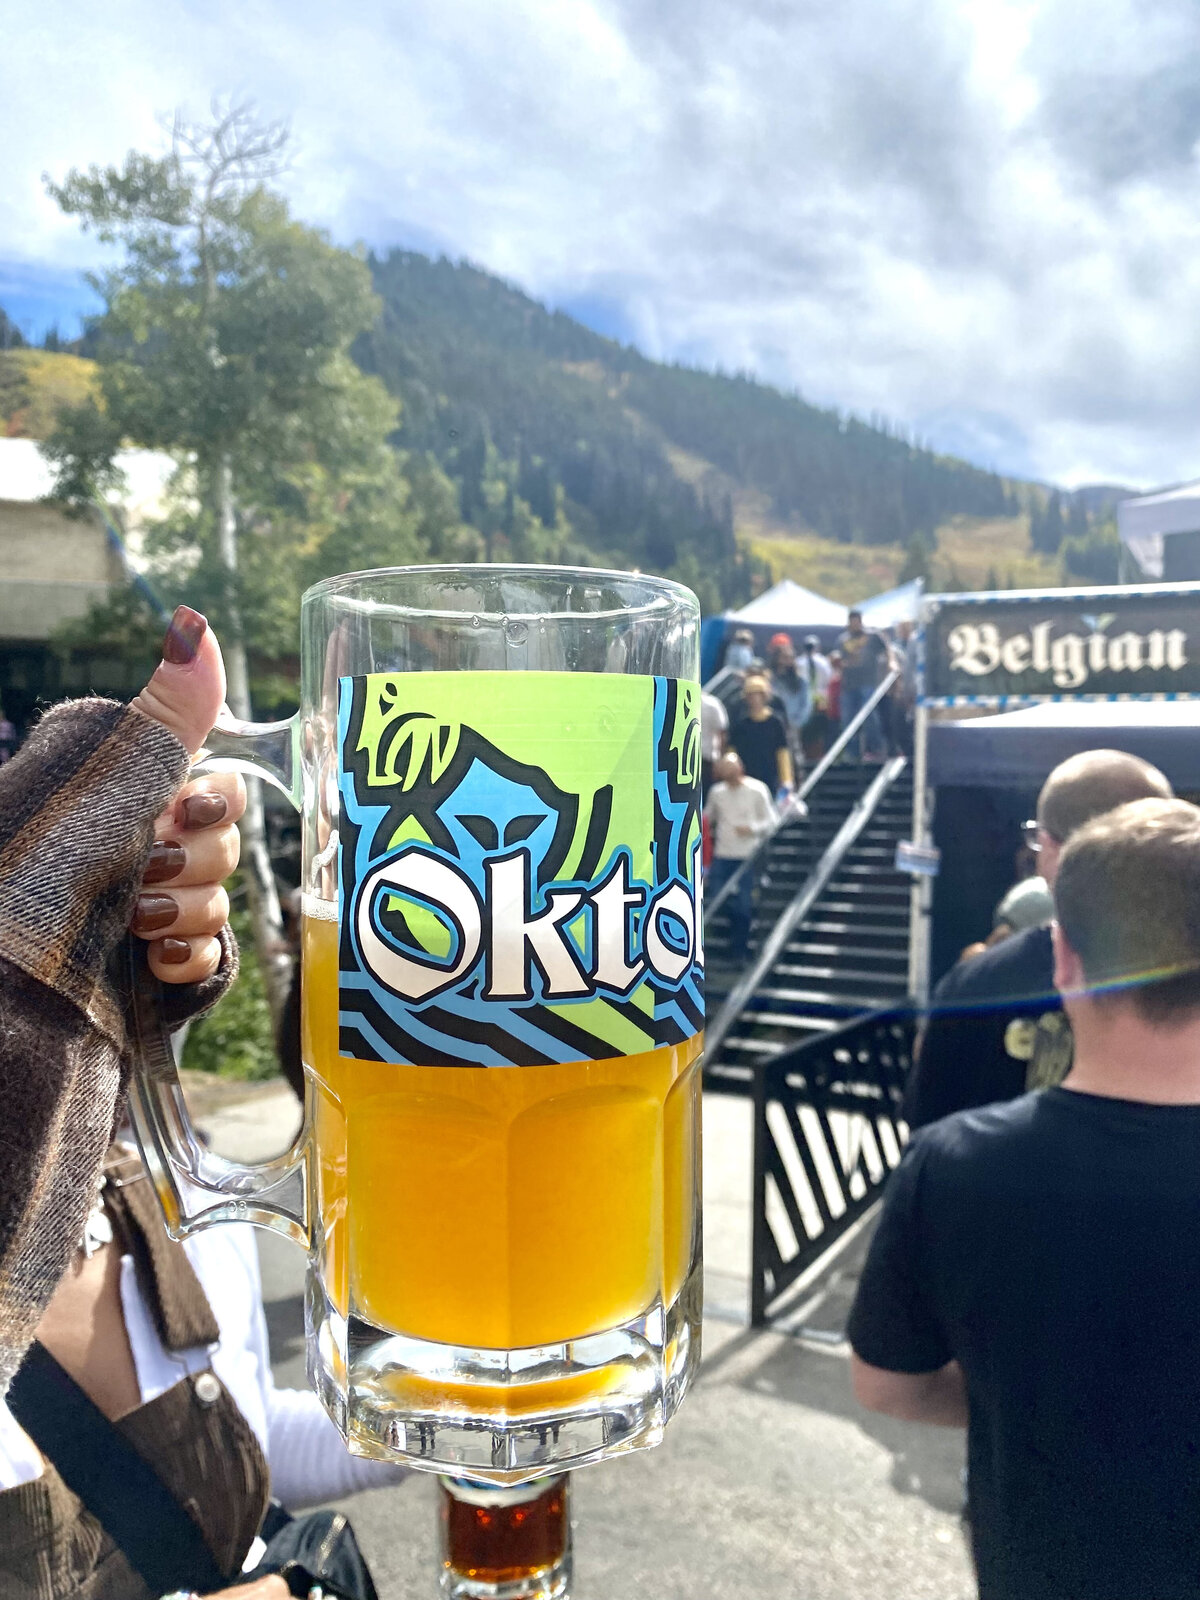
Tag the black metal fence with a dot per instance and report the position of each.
(827, 1133)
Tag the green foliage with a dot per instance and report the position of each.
(918, 558)
(382, 411)
(546, 462)
(14, 392)
(10, 335)
(36, 385)
(224, 340)
(81, 448)
(234, 1039)
(1046, 525)
(1093, 557)
(126, 629)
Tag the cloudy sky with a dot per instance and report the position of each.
(979, 218)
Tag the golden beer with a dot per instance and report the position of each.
(498, 1207)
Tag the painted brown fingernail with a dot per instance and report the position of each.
(167, 861)
(202, 810)
(174, 952)
(187, 629)
(154, 912)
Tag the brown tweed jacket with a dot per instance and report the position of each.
(77, 809)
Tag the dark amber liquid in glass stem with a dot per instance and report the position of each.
(502, 1544)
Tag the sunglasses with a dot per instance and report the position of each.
(1030, 833)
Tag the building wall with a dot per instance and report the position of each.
(52, 567)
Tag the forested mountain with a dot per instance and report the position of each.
(570, 441)
(526, 436)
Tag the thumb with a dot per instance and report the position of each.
(187, 690)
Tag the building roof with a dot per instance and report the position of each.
(1147, 519)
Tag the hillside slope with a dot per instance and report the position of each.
(643, 463)
(35, 384)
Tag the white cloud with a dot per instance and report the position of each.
(978, 217)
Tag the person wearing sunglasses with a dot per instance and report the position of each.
(996, 1026)
(1029, 903)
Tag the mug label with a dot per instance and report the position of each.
(519, 866)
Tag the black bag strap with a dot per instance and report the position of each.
(125, 1495)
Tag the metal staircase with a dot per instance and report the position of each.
(831, 926)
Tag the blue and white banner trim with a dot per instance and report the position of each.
(1018, 700)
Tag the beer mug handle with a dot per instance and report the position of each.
(196, 1188)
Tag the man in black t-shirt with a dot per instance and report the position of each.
(996, 1027)
(1035, 1273)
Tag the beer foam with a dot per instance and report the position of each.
(318, 909)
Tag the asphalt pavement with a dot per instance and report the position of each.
(771, 1483)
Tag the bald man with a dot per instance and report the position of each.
(996, 1027)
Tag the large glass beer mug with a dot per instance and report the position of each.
(497, 1181)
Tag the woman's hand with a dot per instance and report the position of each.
(182, 905)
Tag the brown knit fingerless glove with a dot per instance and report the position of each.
(77, 810)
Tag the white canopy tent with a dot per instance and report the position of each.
(1143, 523)
(789, 605)
(786, 607)
(893, 606)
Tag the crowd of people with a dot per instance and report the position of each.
(769, 718)
(797, 700)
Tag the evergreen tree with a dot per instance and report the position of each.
(10, 334)
(918, 558)
(1047, 530)
(1093, 556)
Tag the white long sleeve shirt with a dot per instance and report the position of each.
(819, 669)
(732, 806)
(308, 1461)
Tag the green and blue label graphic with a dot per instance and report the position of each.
(519, 867)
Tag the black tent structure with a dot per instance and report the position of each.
(985, 774)
(1016, 749)
(1011, 684)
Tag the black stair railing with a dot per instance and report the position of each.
(827, 1133)
(773, 945)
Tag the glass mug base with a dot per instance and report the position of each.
(551, 1583)
(505, 1543)
(504, 1417)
